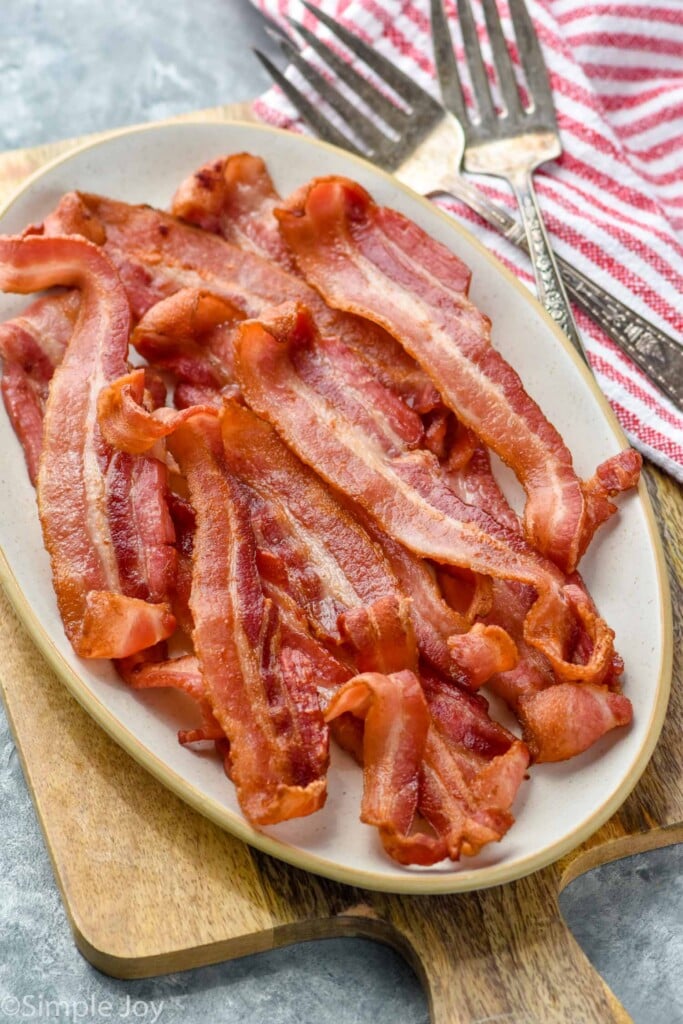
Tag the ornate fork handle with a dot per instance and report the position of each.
(551, 290)
(654, 351)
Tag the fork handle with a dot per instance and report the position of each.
(551, 290)
(653, 350)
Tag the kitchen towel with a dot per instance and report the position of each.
(613, 202)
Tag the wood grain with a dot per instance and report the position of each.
(150, 886)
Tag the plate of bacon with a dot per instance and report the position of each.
(292, 465)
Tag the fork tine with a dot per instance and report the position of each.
(408, 90)
(446, 65)
(533, 63)
(475, 62)
(388, 111)
(367, 132)
(501, 58)
(310, 113)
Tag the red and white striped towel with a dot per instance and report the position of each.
(614, 201)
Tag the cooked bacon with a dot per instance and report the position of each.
(261, 692)
(23, 403)
(465, 800)
(564, 720)
(38, 337)
(186, 395)
(73, 217)
(381, 636)
(403, 490)
(389, 599)
(397, 723)
(374, 262)
(483, 651)
(184, 524)
(31, 346)
(190, 334)
(100, 618)
(127, 424)
(157, 255)
(328, 560)
(140, 526)
(463, 717)
(235, 197)
(309, 549)
(472, 770)
(184, 674)
(473, 481)
(554, 731)
(431, 748)
(562, 726)
(329, 563)
(433, 620)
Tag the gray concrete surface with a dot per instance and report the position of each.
(72, 66)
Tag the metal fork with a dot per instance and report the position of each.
(423, 145)
(512, 144)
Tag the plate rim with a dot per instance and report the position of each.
(415, 883)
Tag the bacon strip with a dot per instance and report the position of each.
(566, 719)
(126, 424)
(376, 263)
(382, 636)
(184, 674)
(31, 346)
(234, 197)
(472, 769)
(263, 696)
(190, 334)
(140, 526)
(466, 800)
(100, 619)
(397, 723)
(329, 564)
(483, 651)
(402, 489)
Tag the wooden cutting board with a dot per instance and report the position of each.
(150, 886)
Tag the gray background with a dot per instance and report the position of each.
(68, 67)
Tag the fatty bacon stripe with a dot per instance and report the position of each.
(374, 262)
(303, 385)
(261, 690)
(106, 573)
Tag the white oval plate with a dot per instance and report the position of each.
(624, 569)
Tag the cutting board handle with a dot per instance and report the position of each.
(505, 958)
